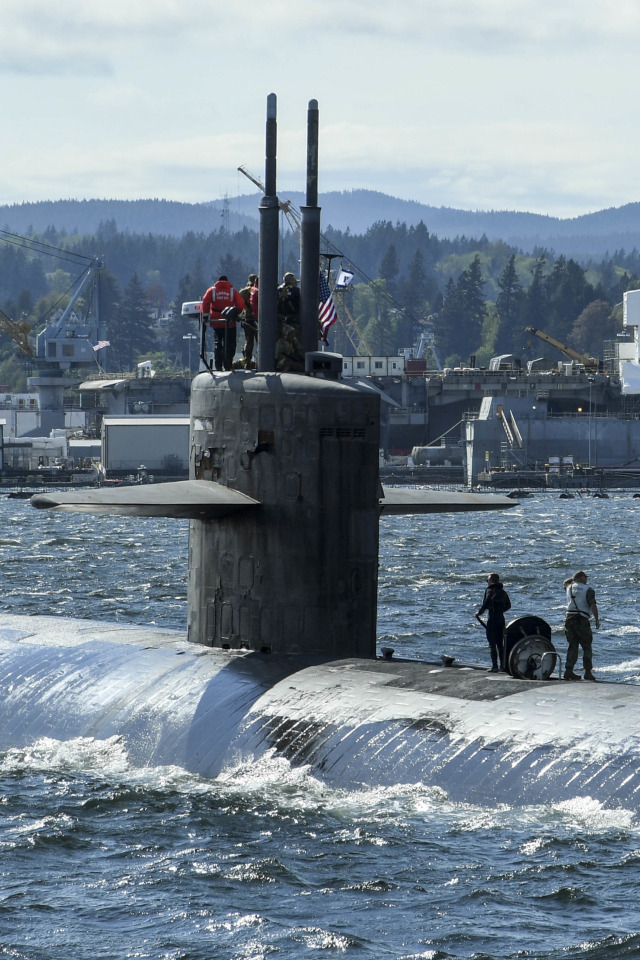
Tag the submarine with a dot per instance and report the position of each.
(279, 659)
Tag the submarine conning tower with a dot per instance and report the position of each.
(299, 573)
(284, 496)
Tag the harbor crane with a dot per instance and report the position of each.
(18, 331)
(591, 364)
(292, 215)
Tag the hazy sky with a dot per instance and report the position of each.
(478, 104)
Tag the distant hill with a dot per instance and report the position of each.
(159, 217)
(590, 235)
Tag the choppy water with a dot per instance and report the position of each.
(99, 860)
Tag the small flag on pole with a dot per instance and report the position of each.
(326, 311)
(100, 345)
(344, 279)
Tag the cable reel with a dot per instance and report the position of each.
(529, 652)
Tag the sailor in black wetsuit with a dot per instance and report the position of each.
(496, 602)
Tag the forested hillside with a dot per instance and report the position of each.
(591, 236)
(476, 296)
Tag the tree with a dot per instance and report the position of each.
(595, 324)
(416, 291)
(191, 288)
(390, 269)
(509, 304)
(377, 319)
(236, 270)
(568, 293)
(470, 291)
(534, 308)
(448, 322)
(458, 325)
(130, 330)
(60, 281)
(490, 332)
(12, 373)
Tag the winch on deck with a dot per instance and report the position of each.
(529, 652)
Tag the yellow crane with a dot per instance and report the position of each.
(591, 364)
(18, 331)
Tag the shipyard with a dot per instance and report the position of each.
(551, 423)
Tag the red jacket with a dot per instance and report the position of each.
(221, 295)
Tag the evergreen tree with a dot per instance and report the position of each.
(458, 325)
(509, 304)
(191, 288)
(130, 331)
(377, 320)
(235, 270)
(534, 310)
(390, 269)
(471, 295)
(415, 293)
(447, 324)
(568, 293)
(414, 298)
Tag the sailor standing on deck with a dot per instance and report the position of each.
(581, 606)
(289, 355)
(249, 294)
(496, 602)
(221, 304)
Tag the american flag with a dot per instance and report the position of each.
(100, 345)
(326, 311)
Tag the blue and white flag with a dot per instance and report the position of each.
(344, 279)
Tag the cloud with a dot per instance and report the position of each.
(40, 37)
(461, 102)
(72, 37)
(480, 25)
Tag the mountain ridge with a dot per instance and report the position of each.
(587, 235)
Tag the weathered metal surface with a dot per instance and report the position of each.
(406, 500)
(299, 576)
(182, 499)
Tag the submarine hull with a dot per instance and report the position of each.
(480, 737)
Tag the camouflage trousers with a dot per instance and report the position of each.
(289, 355)
(250, 337)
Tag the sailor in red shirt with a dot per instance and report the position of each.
(218, 298)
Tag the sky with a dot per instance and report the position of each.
(526, 105)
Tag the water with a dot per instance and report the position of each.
(100, 860)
